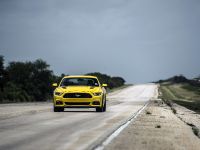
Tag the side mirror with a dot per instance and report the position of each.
(54, 84)
(104, 85)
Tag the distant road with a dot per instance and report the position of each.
(72, 129)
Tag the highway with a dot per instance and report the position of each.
(74, 128)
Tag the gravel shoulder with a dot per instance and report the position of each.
(156, 128)
(18, 109)
(189, 117)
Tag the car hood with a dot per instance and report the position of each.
(72, 89)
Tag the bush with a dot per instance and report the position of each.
(27, 81)
(112, 82)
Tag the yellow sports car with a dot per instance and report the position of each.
(79, 92)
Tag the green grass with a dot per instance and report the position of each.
(182, 94)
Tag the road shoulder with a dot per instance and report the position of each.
(156, 128)
(17, 109)
(190, 117)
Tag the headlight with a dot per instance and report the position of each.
(58, 93)
(97, 94)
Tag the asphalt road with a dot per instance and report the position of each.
(74, 128)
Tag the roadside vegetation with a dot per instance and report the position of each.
(182, 91)
(31, 81)
(113, 82)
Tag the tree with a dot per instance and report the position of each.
(116, 82)
(103, 78)
(34, 78)
(2, 73)
(43, 78)
(111, 81)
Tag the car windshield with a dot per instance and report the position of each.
(79, 82)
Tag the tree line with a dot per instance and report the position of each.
(182, 79)
(112, 82)
(31, 81)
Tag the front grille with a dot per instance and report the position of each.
(77, 103)
(77, 95)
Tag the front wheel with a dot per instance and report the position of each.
(58, 109)
(104, 108)
(101, 109)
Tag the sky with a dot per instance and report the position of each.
(139, 40)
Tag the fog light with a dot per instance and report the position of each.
(59, 102)
(96, 103)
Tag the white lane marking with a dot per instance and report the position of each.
(122, 127)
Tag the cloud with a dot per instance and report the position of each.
(140, 40)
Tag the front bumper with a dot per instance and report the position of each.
(93, 102)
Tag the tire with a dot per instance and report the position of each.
(104, 107)
(58, 109)
(101, 109)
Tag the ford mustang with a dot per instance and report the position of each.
(79, 92)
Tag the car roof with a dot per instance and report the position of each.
(80, 76)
